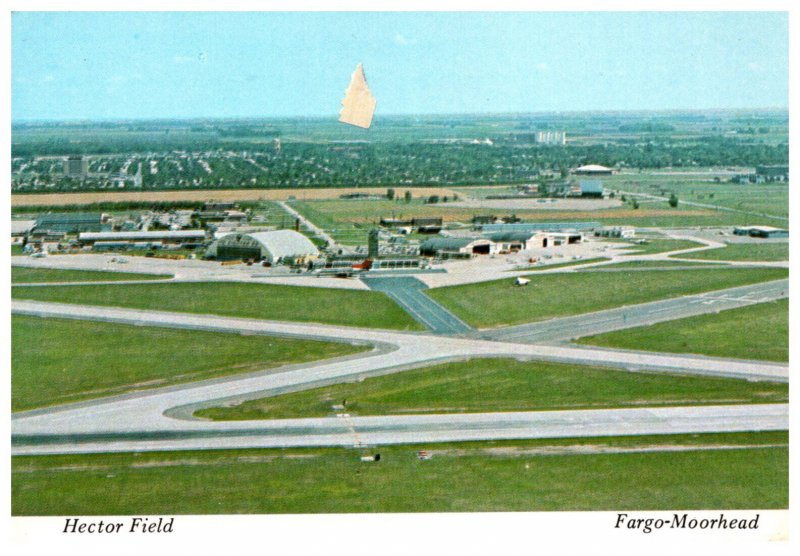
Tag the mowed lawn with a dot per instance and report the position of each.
(745, 252)
(261, 301)
(21, 274)
(754, 332)
(500, 302)
(488, 385)
(698, 472)
(56, 361)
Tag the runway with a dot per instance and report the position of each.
(416, 429)
(569, 328)
(168, 410)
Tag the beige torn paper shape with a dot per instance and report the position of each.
(358, 104)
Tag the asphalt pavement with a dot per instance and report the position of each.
(407, 292)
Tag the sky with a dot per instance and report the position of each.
(138, 65)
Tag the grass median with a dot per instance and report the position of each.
(690, 472)
(500, 302)
(22, 274)
(259, 301)
(753, 332)
(488, 385)
(56, 361)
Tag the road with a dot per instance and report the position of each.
(407, 292)
(313, 227)
(568, 328)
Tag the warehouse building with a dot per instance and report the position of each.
(273, 247)
(540, 227)
(184, 238)
(518, 241)
(761, 231)
(457, 246)
(74, 222)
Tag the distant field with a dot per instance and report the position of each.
(347, 216)
(745, 252)
(44, 199)
(23, 274)
(753, 332)
(488, 385)
(261, 301)
(57, 361)
(500, 302)
(697, 472)
(16, 250)
(771, 198)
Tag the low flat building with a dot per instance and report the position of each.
(74, 222)
(171, 237)
(761, 231)
(444, 246)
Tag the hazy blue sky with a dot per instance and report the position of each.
(153, 65)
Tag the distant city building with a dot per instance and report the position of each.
(551, 137)
(76, 166)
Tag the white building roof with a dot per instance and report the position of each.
(277, 244)
(22, 226)
(164, 234)
(592, 168)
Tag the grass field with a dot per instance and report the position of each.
(753, 332)
(261, 301)
(654, 246)
(500, 302)
(16, 250)
(653, 264)
(487, 385)
(771, 199)
(347, 219)
(538, 268)
(50, 367)
(711, 471)
(22, 274)
(745, 252)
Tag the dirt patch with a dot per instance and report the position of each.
(221, 195)
(589, 449)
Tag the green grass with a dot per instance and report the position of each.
(564, 264)
(754, 332)
(477, 476)
(500, 302)
(57, 361)
(652, 264)
(261, 301)
(487, 385)
(654, 246)
(745, 252)
(22, 274)
(16, 250)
